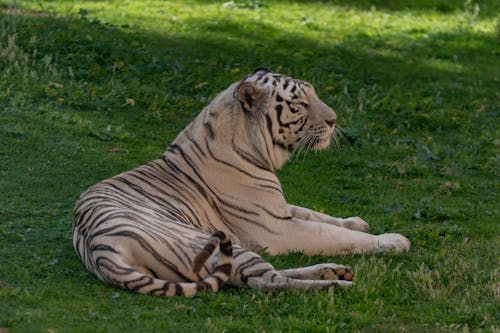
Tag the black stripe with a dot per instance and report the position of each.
(303, 124)
(178, 290)
(268, 151)
(239, 251)
(140, 278)
(288, 217)
(77, 245)
(195, 183)
(100, 262)
(104, 231)
(269, 125)
(211, 133)
(234, 166)
(103, 247)
(250, 158)
(224, 268)
(202, 191)
(226, 249)
(197, 146)
(208, 187)
(257, 273)
(139, 189)
(255, 223)
(291, 108)
(193, 218)
(219, 234)
(220, 282)
(148, 248)
(202, 286)
(176, 148)
(152, 272)
(249, 263)
(163, 288)
(278, 189)
(149, 282)
(209, 248)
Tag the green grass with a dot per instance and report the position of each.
(92, 88)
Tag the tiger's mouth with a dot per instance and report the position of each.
(316, 139)
(321, 143)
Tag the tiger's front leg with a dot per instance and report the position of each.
(311, 237)
(353, 223)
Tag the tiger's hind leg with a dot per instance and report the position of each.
(320, 272)
(252, 270)
(112, 267)
(270, 282)
(114, 270)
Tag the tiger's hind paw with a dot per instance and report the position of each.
(336, 272)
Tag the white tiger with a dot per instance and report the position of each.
(190, 220)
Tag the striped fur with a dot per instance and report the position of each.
(168, 227)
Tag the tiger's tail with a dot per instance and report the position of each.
(128, 278)
(222, 271)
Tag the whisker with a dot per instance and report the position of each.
(336, 142)
(339, 133)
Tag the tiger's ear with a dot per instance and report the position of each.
(250, 95)
(262, 70)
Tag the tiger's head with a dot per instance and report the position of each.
(288, 109)
(268, 115)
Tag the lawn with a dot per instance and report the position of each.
(92, 88)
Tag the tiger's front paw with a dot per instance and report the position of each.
(355, 223)
(335, 272)
(392, 242)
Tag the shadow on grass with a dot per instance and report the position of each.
(205, 63)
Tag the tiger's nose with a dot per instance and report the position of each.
(331, 122)
(328, 115)
(331, 118)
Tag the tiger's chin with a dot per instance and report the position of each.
(322, 144)
(316, 142)
(323, 141)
